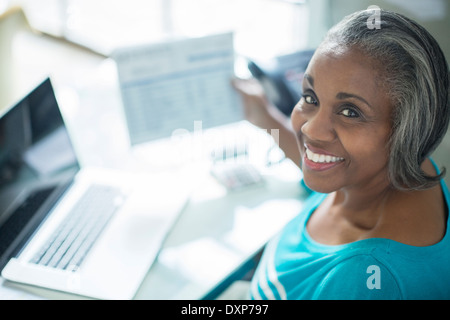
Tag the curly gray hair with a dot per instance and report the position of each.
(416, 74)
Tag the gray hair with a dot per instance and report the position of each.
(415, 73)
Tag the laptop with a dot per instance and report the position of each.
(87, 231)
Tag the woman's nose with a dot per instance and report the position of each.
(319, 127)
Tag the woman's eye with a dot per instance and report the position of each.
(309, 99)
(350, 113)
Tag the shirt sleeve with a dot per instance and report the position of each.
(359, 278)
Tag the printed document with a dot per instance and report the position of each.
(170, 85)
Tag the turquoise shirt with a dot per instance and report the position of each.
(294, 266)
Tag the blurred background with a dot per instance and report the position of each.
(67, 39)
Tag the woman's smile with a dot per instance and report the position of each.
(320, 160)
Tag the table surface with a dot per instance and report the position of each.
(219, 231)
(217, 234)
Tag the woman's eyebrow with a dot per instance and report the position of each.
(345, 95)
(310, 79)
(340, 95)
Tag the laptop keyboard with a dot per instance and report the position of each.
(70, 243)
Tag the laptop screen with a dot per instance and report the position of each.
(36, 155)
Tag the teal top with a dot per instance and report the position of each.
(294, 266)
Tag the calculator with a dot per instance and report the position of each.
(236, 175)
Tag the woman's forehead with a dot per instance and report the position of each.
(344, 67)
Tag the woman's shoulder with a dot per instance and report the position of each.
(384, 274)
(417, 218)
(359, 276)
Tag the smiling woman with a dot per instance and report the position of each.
(345, 115)
(414, 72)
(375, 105)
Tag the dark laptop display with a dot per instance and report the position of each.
(37, 162)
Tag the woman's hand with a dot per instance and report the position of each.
(262, 113)
(255, 103)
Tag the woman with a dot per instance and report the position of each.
(375, 105)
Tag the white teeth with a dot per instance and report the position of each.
(321, 158)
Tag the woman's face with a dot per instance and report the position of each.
(343, 122)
